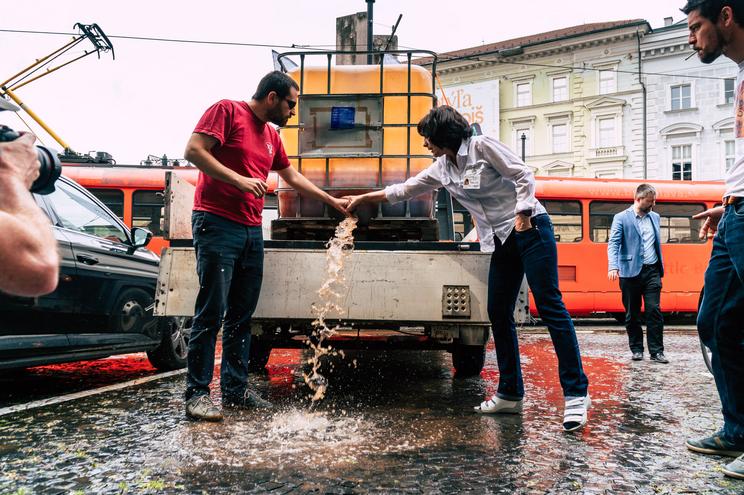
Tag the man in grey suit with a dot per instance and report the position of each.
(634, 256)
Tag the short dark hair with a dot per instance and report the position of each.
(444, 127)
(275, 81)
(711, 9)
(644, 190)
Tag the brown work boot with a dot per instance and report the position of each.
(201, 408)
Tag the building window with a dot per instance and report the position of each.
(560, 88)
(607, 81)
(606, 132)
(524, 94)
(559, 134)
(728, 90)
(681, 97)
(518, 141)
(730, 153)
(682, 162)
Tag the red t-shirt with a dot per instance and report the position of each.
(248, 146)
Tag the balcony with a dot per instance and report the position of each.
(606, 154)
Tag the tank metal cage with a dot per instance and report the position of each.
(405, 225)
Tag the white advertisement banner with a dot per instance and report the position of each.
(477, 102)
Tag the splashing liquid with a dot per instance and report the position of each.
(338, 250)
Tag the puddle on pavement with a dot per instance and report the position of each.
(396, 422)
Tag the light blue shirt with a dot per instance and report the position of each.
(647, 236)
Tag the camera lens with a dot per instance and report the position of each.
(50, 169)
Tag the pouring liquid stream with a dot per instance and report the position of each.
(331, 293)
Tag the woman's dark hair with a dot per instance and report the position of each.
(444, 127)
(276, 81)
(711, 9)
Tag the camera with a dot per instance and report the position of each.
(50, 167)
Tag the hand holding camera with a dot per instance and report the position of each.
(38, 168)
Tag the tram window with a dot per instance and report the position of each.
(601, 214)
(566, 217)
(676, 223)
(112, 198)
(147, 211)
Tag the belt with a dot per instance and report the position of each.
(731, 200)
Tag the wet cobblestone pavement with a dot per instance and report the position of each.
(394, 423)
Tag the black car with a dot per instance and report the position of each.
(104, 302)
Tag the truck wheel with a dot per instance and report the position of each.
(259, 354)
(173, 348)
(468, 360)
(131, 312)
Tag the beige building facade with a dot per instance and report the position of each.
(574, 94)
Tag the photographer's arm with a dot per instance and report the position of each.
(29, 262)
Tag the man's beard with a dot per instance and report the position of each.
(278, 118)
(711, 57)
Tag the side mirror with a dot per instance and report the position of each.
(140, 237)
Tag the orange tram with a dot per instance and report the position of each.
(581, 210)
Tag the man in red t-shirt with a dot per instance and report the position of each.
(234, 148)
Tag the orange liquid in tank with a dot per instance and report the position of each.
(359, 175)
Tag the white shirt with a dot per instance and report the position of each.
(735, 175)
(488, 179)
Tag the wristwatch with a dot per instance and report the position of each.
(527, 213)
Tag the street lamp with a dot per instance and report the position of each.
(524, 141)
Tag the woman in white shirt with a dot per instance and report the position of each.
(498, 190)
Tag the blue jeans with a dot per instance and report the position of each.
(720, 319)
(533, 253)
(229, 259)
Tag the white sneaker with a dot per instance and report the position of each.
(496, 405)
(575, 413)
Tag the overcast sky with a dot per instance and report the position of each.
(148, 100)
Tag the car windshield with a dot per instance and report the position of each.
(77, 212)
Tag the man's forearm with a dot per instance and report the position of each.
(207, 163)
(302, 184)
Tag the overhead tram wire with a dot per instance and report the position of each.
(174, 40)
(441, 59)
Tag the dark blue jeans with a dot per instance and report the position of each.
(533, 253)
(721, 315)
(229, 259)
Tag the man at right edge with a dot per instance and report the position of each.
(717, 28)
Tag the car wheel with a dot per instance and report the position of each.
(259, 354)
(174, 345)
(468, 360)
(132, 312)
